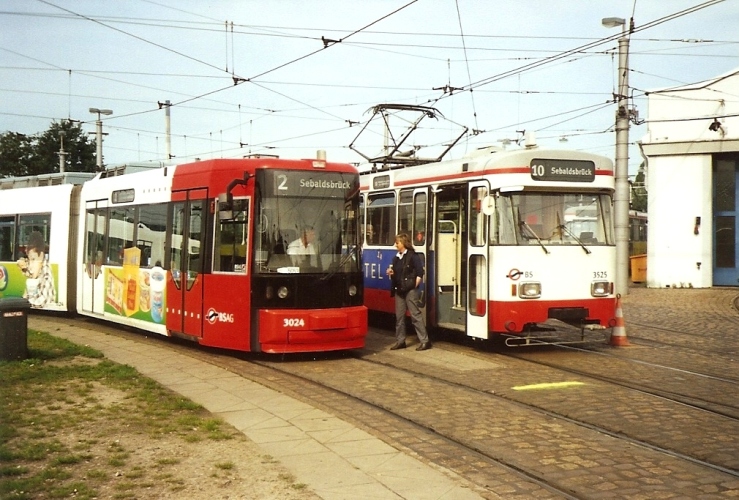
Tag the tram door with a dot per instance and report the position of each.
(477, 261)
(92, 281)
(187, 247)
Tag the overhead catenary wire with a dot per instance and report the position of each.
(281, 109)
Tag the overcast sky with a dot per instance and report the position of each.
(308, 72)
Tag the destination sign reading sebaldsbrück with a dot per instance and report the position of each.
(311, 184)
(562, 170)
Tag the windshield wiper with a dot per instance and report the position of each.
(532, 233)
(587, 250)
(341, 264)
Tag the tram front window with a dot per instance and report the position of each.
(306, 230)
(552, 218)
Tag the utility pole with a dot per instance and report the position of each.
(99, 134)
(62, 154)
(621, 196)
(168, 135)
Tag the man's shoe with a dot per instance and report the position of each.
(398, 345)
(424, 347)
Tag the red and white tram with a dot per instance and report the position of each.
(256, 254)
(510, 239)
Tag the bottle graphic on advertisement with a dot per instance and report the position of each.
(157, 285)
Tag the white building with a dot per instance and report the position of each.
(692, 154)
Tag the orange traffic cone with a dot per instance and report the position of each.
(618, 332)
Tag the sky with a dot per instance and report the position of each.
(291, 77)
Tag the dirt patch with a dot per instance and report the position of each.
(90, 439)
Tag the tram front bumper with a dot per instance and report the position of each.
(300, 330)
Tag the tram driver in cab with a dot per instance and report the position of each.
(303, 250)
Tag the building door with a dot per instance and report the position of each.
(725, 230)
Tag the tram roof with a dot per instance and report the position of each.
(487, 160)
(54, 179)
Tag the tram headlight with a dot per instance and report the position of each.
(352, 290)
(283, 292)
(529, 290)
(600, 288)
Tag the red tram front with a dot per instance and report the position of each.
(257, 254)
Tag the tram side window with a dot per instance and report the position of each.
(362, 220)
(196, 229)
(151, 232)
(121, 236)
(29, 224)
(7, 232)
(419, 218)
(503, 224)
(412, 216)
(381, 216)
(95, 241)
(177, 228)
(477, 228)
(405, 212)
(231, 240)
(187, 231)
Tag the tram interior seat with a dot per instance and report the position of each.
(279, 260)
(284, 238)
(532, 232)
(587, 238)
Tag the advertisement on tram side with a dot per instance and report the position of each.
(34, 281)
(134, 292)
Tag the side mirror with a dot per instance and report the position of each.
(488, 205)
(225, 207)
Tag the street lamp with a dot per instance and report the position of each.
(99, 132)
(621, 196)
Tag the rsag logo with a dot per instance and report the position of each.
(221, 317)
(3, 278)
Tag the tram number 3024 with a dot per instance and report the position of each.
(286, 322)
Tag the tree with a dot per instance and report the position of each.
(16, 154)
(33, 155)
(639, 191)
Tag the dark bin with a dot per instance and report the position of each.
(13, 328)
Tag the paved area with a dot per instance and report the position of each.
(338, 460)
(335, 459)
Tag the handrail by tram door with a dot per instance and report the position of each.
(187, 231)
(477, 261)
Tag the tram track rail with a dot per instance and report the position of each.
(554, 415)
(711, 350)
(721, 408)
(608, 432)
(467, 448)
(470, 452)
(357, 388)
(475, 453)
(726, 410)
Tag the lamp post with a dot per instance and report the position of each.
(99, 134)
(621, 196)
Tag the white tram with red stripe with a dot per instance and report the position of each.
(511, 239)
(203, 251)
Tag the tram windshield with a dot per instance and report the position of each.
(306, 222)
(531, 218)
